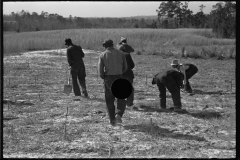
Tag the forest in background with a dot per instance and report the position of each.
(170, 15)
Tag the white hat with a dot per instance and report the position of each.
(174, 62)
(122, 39)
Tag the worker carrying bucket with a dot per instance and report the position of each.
(77, 68)
(68, 87)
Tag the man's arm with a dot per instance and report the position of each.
(125, 66)
(131, 63)
(81, 51)
(101, 67)
(69, 58)
(130, 48)
(179, 79)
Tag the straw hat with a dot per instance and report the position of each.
(174, 62)
(123, 39)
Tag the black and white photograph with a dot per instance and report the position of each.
(118, 79)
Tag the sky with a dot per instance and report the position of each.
(97, 8)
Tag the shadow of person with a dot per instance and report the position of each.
(205, 114)
(220, 92)
(162, 132)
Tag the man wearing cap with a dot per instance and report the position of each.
(127, 49)
(172, 80)
(112, 64)
(75, 61)
(188, 70)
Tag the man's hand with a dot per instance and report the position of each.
(102, 76)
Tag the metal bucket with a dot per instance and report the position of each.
(67, 87)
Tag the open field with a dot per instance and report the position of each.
(41, 121)
(194, 43)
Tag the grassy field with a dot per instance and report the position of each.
(40, 121)
(194, 43)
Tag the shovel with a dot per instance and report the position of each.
(68, 87)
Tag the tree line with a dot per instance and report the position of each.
(170, 14)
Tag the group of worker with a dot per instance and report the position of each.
(117, 63)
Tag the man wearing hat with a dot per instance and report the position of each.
(123, 46)
(188, 70)
(75, 61)
(172, 80)
(112, 64)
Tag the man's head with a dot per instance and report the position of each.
(68, 42)
(107, 43)
(123, 40)
(175, 63)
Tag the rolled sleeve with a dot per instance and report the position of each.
(101, 68)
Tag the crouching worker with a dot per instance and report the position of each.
(188, 70)
(172, 80)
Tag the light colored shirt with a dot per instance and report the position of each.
(112, 62)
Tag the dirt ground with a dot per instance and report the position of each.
(40, 121)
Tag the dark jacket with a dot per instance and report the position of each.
(74, 57)
(127, 49)
(169, 78)
(190, 71)
(130, 64)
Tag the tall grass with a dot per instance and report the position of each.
(144, 41)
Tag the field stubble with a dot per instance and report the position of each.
(35, 126)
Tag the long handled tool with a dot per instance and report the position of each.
(67, 87)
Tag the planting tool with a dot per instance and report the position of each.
(67, 87)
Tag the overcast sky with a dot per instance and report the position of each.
(96, 8)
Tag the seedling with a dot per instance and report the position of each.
(39, 96)
(8, 104)
(35, 80)
(97, 73)
(146, 79)
(65, 124)
(151, 124)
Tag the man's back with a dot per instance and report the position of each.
(75, 55)
(125, 48)
(113, 61)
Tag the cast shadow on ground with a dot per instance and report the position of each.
(205, 114)
(220, 92)
(97, 99)
(162, 132)
(17, 103)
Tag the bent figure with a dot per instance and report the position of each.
(188, 70)
(172, 80)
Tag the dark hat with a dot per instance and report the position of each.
(68, 41)
(107, 41)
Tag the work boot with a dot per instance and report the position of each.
(113, 123)
(76, 98)
(179, 110)
(118, 119)
(163, 109)
(85, 94)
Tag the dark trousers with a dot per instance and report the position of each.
(110, 98)
(172, 87)
(189, 73)
(78, 74)
(130, 99)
